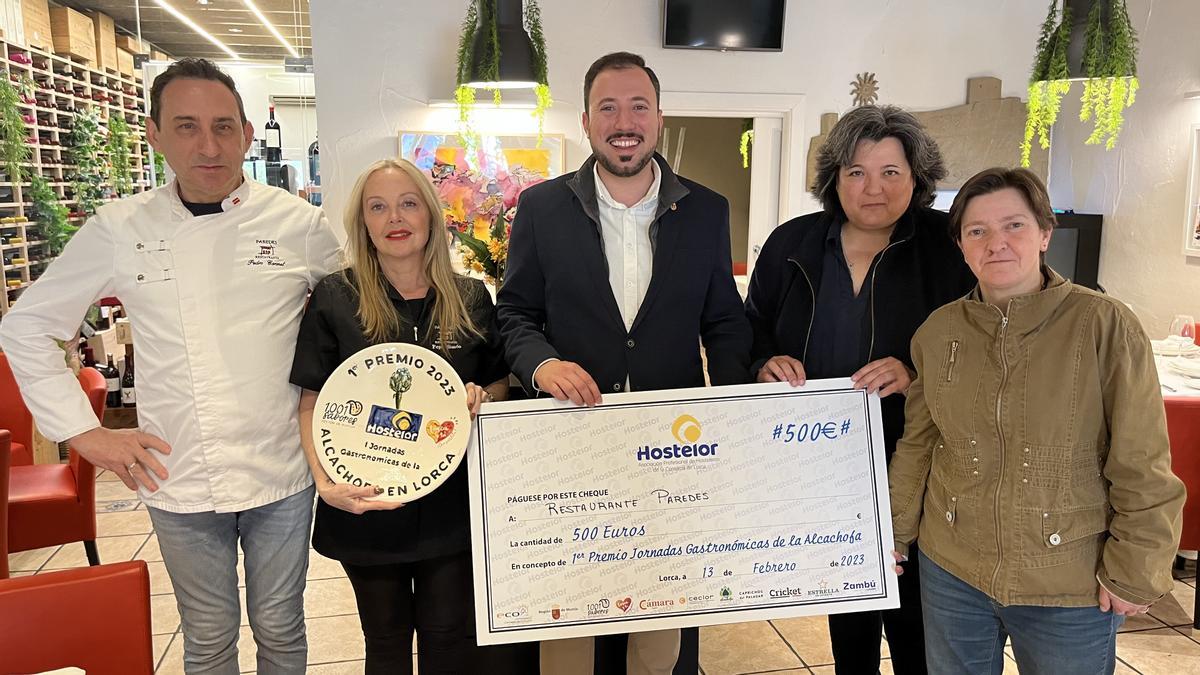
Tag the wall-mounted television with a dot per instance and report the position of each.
(726, 25)
(1075, 248)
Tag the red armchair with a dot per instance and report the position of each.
(94, 618)
(50, 504)
(4, 462)
(1183, 426)
(15, 417)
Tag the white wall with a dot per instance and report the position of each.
(379, 62)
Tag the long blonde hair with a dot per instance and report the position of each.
(376, 313)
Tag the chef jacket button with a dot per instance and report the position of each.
(141, 277)
(1055, 539)
(973, 441)
(949, 517)
(629, 343)
(616, 387)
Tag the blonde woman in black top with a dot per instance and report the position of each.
(410, 566)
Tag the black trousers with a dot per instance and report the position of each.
(856, 637)
(434, 598)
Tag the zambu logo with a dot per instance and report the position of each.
(686, 429)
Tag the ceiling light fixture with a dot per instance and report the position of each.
(196, 27)
(235, 30)
(271, 27)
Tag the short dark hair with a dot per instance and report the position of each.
(875, 123)
(618, 61)
(192, 69)
(996, 179)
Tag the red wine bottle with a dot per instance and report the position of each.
(274, 140)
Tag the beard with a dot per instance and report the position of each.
(622, 170)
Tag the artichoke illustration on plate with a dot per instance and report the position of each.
(400, 382)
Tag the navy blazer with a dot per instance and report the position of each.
(556, 301)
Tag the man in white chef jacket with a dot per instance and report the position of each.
(214, 270)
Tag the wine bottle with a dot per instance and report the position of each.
(128, 392)
(274, 139)
(112, 378)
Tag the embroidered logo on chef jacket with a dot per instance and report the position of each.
(267, 254)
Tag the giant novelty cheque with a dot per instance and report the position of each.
(678, 508)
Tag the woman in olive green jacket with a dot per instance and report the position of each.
(1035, 466)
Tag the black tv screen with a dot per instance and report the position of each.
(1075, 248)
(752, 25)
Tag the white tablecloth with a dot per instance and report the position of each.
(1175, 383)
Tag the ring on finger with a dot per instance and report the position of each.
(131, 466)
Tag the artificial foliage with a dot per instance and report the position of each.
(118, 154)
(465, 94)
(745, 141)
(14, 137)
(1109, 68)
(50, 215)
(87, 144)
(1110, 63)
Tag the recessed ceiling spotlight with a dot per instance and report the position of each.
(235, 30)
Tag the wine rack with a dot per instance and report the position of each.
(62, 86)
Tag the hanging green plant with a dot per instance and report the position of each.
(1049, 81)
(1110, 64)
(489, 68)
(541, 73)
(745, 140)
(50, 215)
(118, 154)
(1109, 68)
(86, 145)
(14, 136)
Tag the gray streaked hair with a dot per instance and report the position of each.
(875, 123)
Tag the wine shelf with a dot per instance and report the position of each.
(62, 86)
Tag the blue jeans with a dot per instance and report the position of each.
(965, 632)
(200, 553)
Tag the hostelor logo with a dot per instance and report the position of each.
(399, 424)
(686, 430)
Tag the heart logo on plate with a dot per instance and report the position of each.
(624, 604)
(439, 431)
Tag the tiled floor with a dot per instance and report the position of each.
(1162, 643)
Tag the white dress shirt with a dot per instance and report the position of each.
(214, 303)
(626, 233)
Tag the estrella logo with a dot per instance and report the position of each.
(394, 423)
(686, 430)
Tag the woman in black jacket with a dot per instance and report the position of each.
(840, 293)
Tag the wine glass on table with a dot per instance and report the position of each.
(1183, 328)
